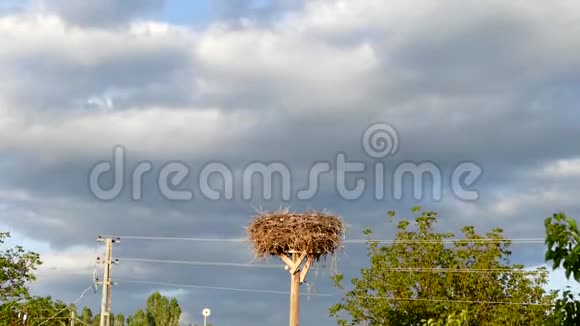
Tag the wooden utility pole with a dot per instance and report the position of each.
(295, 295)
(106, 282)
(297, 277)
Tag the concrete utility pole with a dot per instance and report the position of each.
(73, 316)
(106, 282)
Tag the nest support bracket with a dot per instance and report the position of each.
(293, 265)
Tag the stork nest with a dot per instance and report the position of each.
(281, 232)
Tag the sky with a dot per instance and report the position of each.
(488, 86)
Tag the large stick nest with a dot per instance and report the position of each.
(281, 232)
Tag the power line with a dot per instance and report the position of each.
(133, 237)
(458, 270)
(449, 241)
(393, 269)
(353, 241)
(66, 318)
(458, 301)
(198, 263)
(81, 321)
(332, 295)
(195, 286)
(68, 307)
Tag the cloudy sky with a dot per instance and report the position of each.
(295, 82)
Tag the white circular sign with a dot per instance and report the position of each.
(206, 312)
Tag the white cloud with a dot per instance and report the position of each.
(148, 130)
(14, 195)
(512, 204)
(291, 68)
(43, 33)
(566, 168)
(459, 80)
(174, 293)
(283, 61)
(62, 263)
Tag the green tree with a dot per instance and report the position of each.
(139, 319)
(86, 316)
(451, 320)
(45, 309)
(424, 275)
(159, 311)
(163, 311)
(17, 268)
(96, 320)
(563, 250)
(119, 320)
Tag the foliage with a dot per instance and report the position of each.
(160, 311)
(16, 270)
(96, 320)
(451, 320)
(119, 320)
(410, 281)
(40, 309)
(86, 316)
(563, 250)
(139, 319)
(562, 239)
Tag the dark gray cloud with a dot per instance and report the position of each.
(260, 10)
(145, 73)
(98, 13)
(492, 86)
